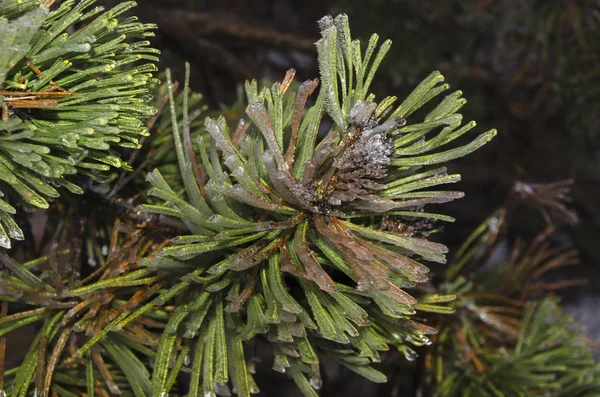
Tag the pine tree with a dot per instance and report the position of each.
(300, 232)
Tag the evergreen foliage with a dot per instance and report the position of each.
(507, 337)
(71, 98)
(303, 231)
(289, 207)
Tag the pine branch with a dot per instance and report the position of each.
(547, 358)
(507, 337)
(280, 218)
(72, 100)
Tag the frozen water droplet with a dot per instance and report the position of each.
(2, 393)
(238, 172)
(112, 386)
(4, 242)
(423, 340)
(104, 250)
(279, 367)
(316, 383)
(221, 389)
(409, 353)
(189, 334)
(164, 394)
(186, 360)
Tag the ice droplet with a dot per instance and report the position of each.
(4, 242)
(112, 386)
(422, 339)
(221, 389)
(409, 353)
(189, 334)
(316, 383)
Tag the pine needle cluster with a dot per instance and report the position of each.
(74, 92)
(509, 336)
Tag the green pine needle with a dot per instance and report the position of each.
(71, 101)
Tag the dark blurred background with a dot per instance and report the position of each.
(529, 68)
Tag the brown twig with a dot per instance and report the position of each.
(207, 24)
